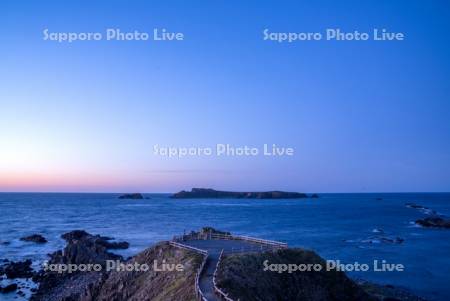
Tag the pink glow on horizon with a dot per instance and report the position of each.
(66, 182)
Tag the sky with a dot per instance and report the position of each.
(361, 116)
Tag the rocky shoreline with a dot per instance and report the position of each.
(240, 274)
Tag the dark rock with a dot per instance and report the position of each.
(8, 289)
(434, 222)
(21, 269)
(114, 245)
(132, 196)
(314, 196)
(206, 230)
(5, 243)
(200, 193)
(37, 238)
(396, 240)
(415, 206)
(75, 235)
(81, 248)
(421, 208)
(121, 285)
(81, 235)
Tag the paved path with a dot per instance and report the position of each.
(214, 247)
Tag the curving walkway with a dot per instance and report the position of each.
(214, 248)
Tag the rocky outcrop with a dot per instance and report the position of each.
(119, 283)
(207, 230)
(244, 277)
(81, 248)
(434, 222)
(20, 269)
(153, 285)
(37, 238)
(202, 193)
(132, 196)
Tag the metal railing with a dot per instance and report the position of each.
(217, 290)
(207, 236)
(277, 244)
(269, 245)
(198, 291)
(183, 246)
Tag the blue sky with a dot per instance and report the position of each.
(362, 116)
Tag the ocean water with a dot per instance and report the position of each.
(343, 227)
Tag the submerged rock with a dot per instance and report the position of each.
(8, 289)
(421, 208)
(201, 193)
(132, 196)
(37, 238)
(434, 222)
(378, 239)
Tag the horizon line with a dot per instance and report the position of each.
(123, 192)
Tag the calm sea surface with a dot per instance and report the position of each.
(343, 227)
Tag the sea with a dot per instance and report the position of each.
(349, 228)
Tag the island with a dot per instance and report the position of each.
(207, 193)
(132, 196)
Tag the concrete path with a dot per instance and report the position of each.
(214, 247)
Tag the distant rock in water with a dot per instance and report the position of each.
(421, 208)
(434, 222)
(314, 196)
(205, 193)
(8, 289)
(132, 196)
(37, 238)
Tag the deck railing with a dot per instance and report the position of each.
(217, 290)
(198, 291)
(206, 236)
(273, 243)
(177, 242)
